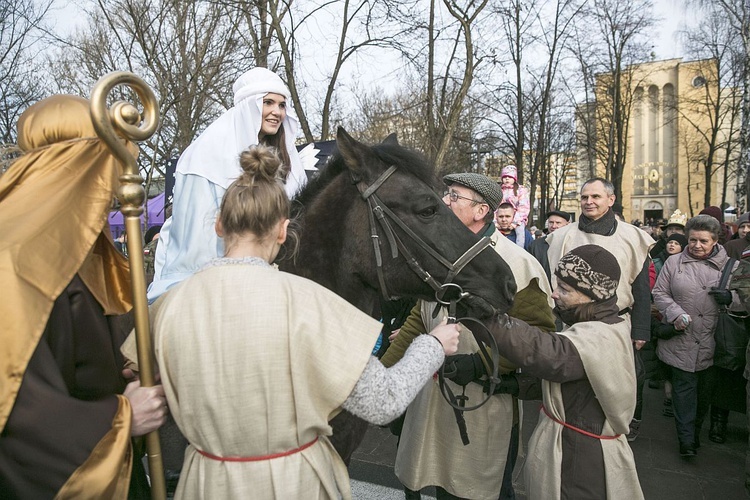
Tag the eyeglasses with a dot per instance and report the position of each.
(454, 196)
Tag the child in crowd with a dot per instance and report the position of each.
(676, 243)
(518, 196)
(515, 194)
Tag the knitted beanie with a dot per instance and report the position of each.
(679, 238)
(590, 269)
(509, 171)
(714, 212)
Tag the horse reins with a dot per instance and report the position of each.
(384, 217)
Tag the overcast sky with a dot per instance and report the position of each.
(379, 73)
(673, 17)
(672, 12)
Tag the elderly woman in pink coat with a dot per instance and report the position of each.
(686, 295)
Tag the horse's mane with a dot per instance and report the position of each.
(390, 154)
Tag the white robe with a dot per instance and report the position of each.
(205, 170)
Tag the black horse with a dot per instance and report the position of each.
(336, 249)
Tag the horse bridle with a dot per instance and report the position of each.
(384, 217)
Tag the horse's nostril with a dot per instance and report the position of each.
(510, 289)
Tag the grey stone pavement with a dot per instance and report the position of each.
(717, 473)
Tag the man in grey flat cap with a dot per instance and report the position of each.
(430, 451)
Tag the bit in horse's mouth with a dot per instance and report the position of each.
(479, 307)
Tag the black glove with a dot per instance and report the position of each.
(665, 332)
(722, 296)
(508, 385)
(464, 368)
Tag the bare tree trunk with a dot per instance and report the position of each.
(451, 122)
(520, 119)
(291, 81)
(744, 160)
(431, 125)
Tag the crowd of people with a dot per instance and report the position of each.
(600, 306)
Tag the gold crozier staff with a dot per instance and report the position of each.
(125, 120)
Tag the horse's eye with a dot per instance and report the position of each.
(427, 212)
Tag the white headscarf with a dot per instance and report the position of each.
(216, 152)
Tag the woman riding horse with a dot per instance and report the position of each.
(261, 115)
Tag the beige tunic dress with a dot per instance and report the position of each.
(607, 353)
(430, 451)
(254, 361)
(628, 244)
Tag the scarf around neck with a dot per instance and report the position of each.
(604, 225)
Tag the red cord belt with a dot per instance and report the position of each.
(580, 431)
(257, 459)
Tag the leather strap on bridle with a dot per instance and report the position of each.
(384, 217)
(458, 403)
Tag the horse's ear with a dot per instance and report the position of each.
(352, 151)
(391, 140)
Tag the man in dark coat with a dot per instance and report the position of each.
(539, 247)
(736, 246)
(66, 413)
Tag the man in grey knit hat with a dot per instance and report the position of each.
(430, 442)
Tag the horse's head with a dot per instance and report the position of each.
(412, 193)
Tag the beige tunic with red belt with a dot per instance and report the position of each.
(607, 355)
(254, 361)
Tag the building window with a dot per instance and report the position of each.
(699, 81)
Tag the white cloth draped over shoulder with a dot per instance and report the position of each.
(206, 169)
